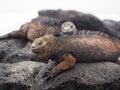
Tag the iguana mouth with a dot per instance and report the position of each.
(36, 49)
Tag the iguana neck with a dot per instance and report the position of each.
(58, 45)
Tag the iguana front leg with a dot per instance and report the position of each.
(67, 63)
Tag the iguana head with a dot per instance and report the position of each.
(43, 45)
(68, 27)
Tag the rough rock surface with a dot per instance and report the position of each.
(93, 76)
(18, 76)
(16, 50)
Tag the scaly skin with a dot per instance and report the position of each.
(67, 50)
(33, 30)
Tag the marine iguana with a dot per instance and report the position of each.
(81, 20)
(34, 30)
(85, 47)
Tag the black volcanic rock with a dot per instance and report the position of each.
(18, 76)
(16, 50)
(90, 76)
(26, 75)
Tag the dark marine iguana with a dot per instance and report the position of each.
(34, 30)
(86, 47)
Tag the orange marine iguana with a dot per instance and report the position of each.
(67, 50)
(34, 30)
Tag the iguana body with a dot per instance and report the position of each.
(85, 47)
(34, 30)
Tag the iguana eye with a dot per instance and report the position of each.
(40, 43)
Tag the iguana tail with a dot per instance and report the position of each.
(6, 36)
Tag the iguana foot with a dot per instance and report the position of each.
(51, 73)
